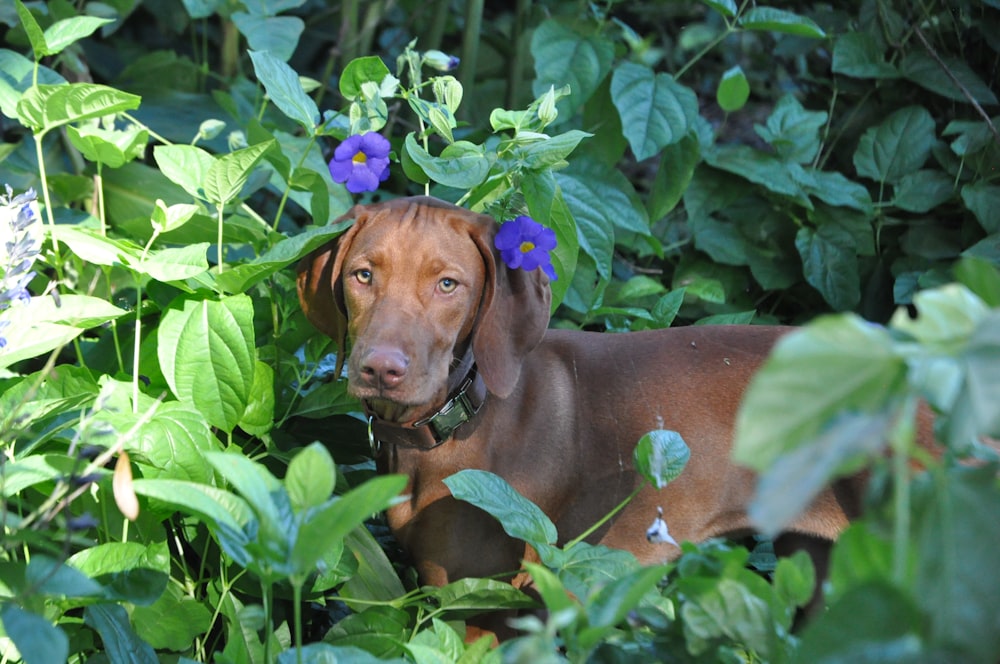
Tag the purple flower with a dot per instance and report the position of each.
(361, 161)
(524, 243)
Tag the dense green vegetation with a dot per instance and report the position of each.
(181, 481)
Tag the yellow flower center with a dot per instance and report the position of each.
(527, 246)
(360, 158)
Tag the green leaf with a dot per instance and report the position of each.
(980, 277)
(923, 190)
(833, 365)
(166, 219)
(173, 622)
(725, 7)
(258, 418)
(858, 55)
(311, 477)
(779, 20)
(920, 68)
(48, 107)
(68, 31)
(462, 165)
(792, 130)
(983, 200)
(206, 352)
(121, 643)
(661, 456)
(547, 206)
(833, 188)
(228, 173)
(830, 264)
(733, 90)
(898, 146)
(551, 151)
(795, 578)
(16, 76)
(613, 602)
(480, 594)
(254, 483)
(565, 56)
(330, 523)
(763, 168)
(655, 110)
(956, 533)
(789, 486)
(278, 35)
(37, 640)
(285, 90)
(171, 442)
(728, 609)
(174, 263)
(676, 168)
(129, 571)
(368, 69)
(519, 517)
(186, 165)
(31, 28)
(240, 278)
(110, 147)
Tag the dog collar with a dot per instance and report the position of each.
(436, 429)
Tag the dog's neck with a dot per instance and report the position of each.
(466, 394)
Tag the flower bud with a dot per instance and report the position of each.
(440, 61)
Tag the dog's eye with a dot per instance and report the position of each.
(363, 276)
(447, 285)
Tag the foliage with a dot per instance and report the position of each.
(698, 163)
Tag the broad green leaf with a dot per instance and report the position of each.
(584, 568)
(830, 264)
(53, 578)
(923, 190)
(779, 20)
(613, 602)
(795, 578)
(858, 55)
(83, 311)
(920, 68)
(480, 594)
(175, 263)
(206, 352)
(278, 35)
(519, 517)
(168, 218)
(873, 620)
(228, 173)
(660, 457)
(896, 147)
(655, 110)
(26, 339)
(258, 418)
(67, 31)
(367, 69)
(981, 277)
(311, 477)
(725, 7)
(792, 130)
(462, 165)
(375, 578)
(171, 443)
(733, 90)
(110, 147)
(241, 277)
(791, 483)
(254, 483)
(834, 365)
(564, 56)
(547, 206)
(332, 522)
(48, 107)
(186, 165)
(728, 609)
(551, 151)
(552, 591)
(677, 164)
(130, 571)
(763, 168)
(221, 510)
(121, 644)
(285, 90)
(16, 76)
(34, 469)
(833, 188)
(37, 639)
(983, 200)
(92, 247)
(173, 621)
(955, 532)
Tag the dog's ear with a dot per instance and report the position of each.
(513, 314)
(320, 291)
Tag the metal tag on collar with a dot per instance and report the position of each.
(452, 415)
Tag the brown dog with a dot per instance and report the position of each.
(451, 357)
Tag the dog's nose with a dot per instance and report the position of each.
(384, 367)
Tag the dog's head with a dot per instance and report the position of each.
(412, 286)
